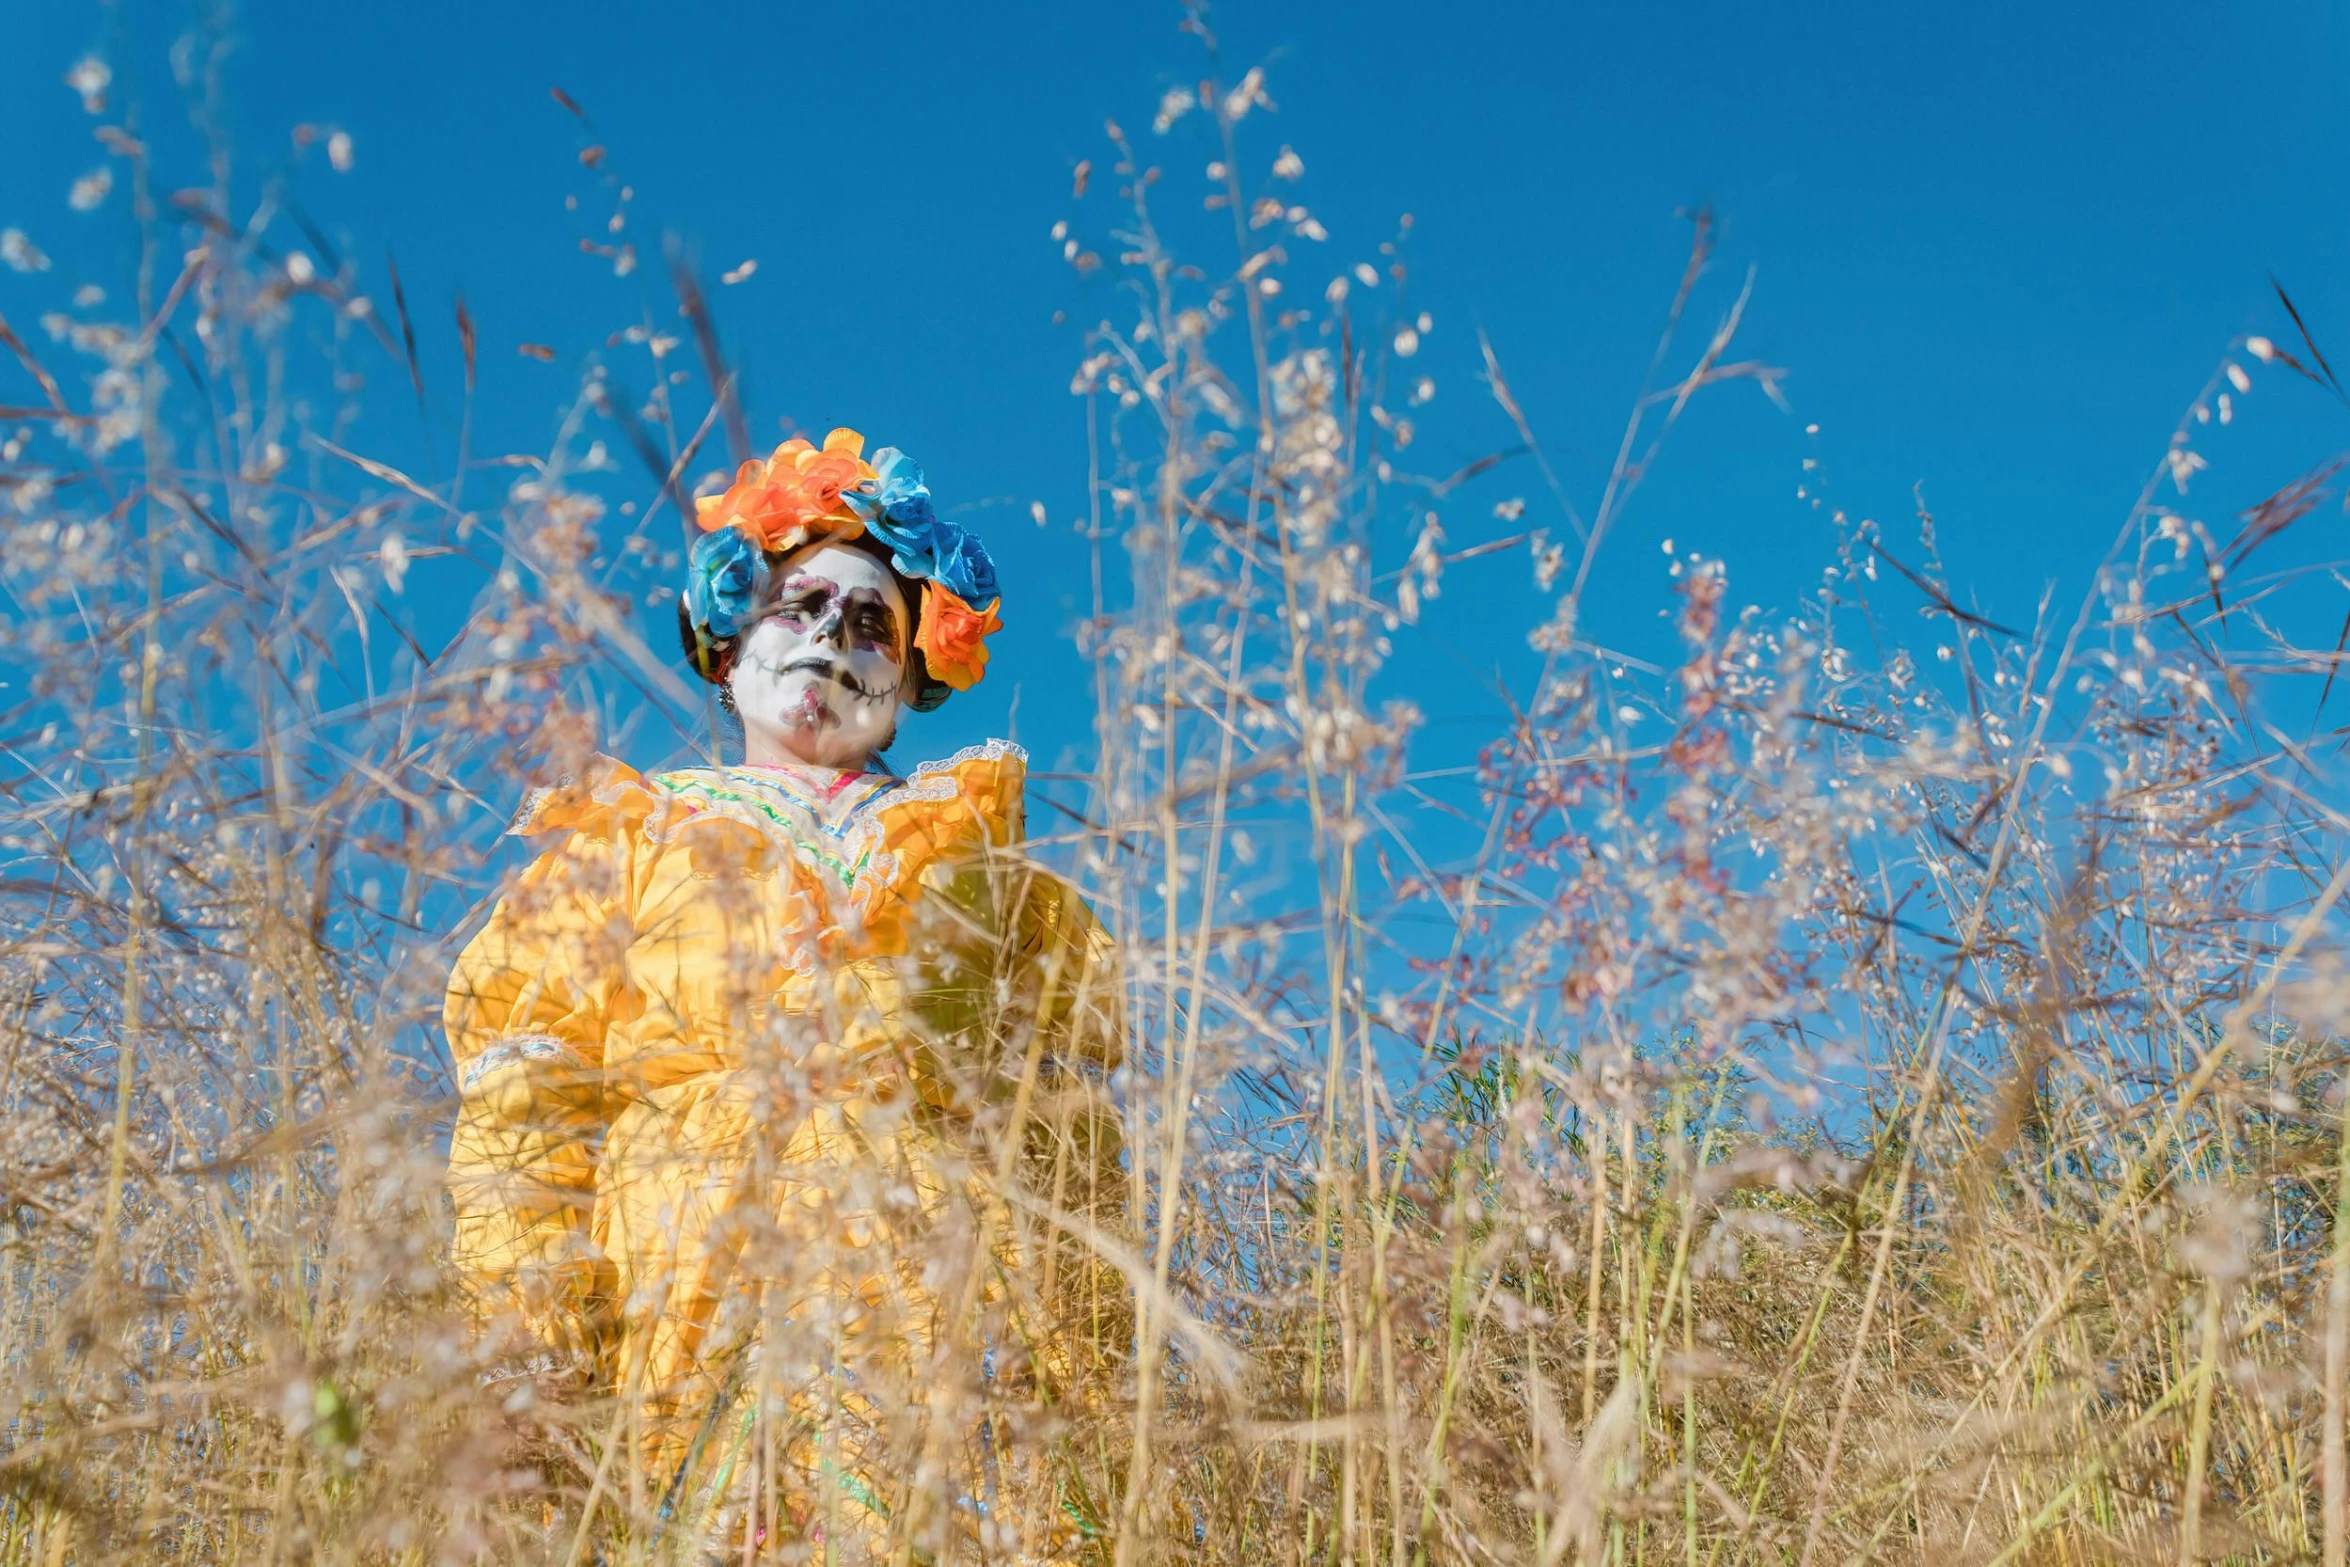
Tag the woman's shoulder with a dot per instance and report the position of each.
(605, 800)
(599, 797)
(985, 782)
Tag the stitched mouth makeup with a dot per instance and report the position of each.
(828, 669)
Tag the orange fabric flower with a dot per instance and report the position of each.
(824, 474)
(953, 636)
(794, 497)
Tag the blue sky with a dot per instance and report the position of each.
(1997, 248)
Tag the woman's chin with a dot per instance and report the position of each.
(816, 728)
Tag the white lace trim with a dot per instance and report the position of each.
(546, 1362)
(514, 1049)
(520, 826)
(926, 780)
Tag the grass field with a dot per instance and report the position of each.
(1885, 1104)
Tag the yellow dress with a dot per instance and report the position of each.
(722, 1069)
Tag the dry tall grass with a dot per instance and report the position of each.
(1815, 1104)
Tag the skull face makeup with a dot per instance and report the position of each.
(818, 678)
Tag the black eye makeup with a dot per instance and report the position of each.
(866, 616)
(802, 599)
(873, 623)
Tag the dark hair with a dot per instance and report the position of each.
(713, 657)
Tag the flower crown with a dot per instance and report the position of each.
(805, 494)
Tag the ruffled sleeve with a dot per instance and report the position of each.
(1013, 984)
(529, 1006)
(1014, 1000)
(1075, 1145)
(947, 814)
(1077, 965)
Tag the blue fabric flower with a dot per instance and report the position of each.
(963, 566)
(912, 545)
(897, 512)
(902, 495)
(922, 544)
(726, 576)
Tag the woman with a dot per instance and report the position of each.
(778, 1080)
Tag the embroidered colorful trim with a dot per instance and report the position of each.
(853, 855)
(800, 787)
(848, 862)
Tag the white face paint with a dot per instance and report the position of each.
(819, 677)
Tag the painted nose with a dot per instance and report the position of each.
(830, 627)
